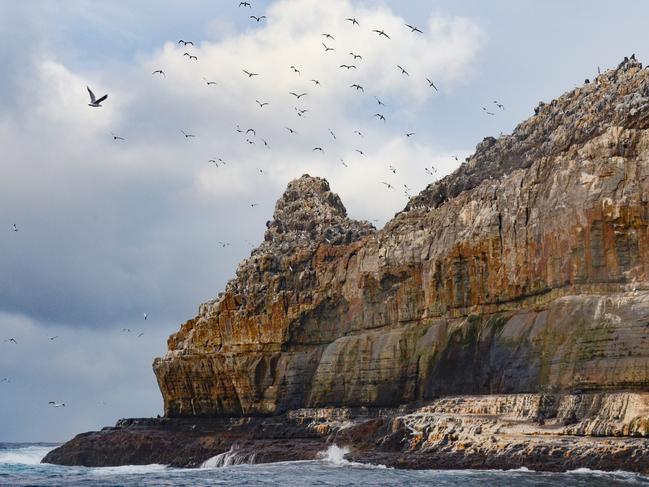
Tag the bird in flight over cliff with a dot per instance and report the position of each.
(358, 87)
(353, 21)
(388, 185)
(290, 130)
(413, 28)
(296, 70)
(298, 96)
(159, 71)
(191, 56)
(328, 36)
(257, 18)
(431, 84)
(403, 71)
(327, 48)
(116, 137)
(14, 228)
(262, 105)
(381, 117)
(381, 33)
(95, 102)
(250, 75)
(499, 105)
(209, 82)
(187, 136)
(56, 404)
(431, 171)
(11, 340)
(185, 43)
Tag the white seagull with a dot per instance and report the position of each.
(94, 102)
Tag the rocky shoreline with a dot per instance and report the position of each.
(535, 431)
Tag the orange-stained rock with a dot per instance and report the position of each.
(526, 270)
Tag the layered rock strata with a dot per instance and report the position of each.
(523, 271)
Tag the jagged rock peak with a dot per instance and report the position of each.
(618, 97)
(309, 211)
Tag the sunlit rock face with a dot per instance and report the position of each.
(523, 271)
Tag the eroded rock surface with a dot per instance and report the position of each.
(523, 271)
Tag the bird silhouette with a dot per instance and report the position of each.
(381, 33)
(356, 56)
(332, 134)
(410, 134)
(318, 148)
(187, 136)
(413, 28)
(296, 70)
(360, 152)
(316, 82)
(290, 130)
(358, 87)
(12, 340)
(381, 117)
(209, 82)
(358, 133)
(348, 66)
(379, 101)
(191, 56)
(56, 404)
(353, 21)
(327, 49)
(53, 338)
(14, 228)
(328, 36)
(250, 75)
(388, 185)
(95, 102)
(257, 18)
(499, 105)
(431, 84)
(403, 71)
(185, 43)
(261, 105)
(393, 169)
(116, 137)
(159, 71)
(245, 4)
(298, 96)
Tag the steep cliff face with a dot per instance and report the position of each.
(523, 271)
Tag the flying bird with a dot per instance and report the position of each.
(343, 163)
(5, 379)
(392, 168)
(140, 334)
(328, 36)
(413, 28)
(381, 117)
(265, 144)
(290, 130)
(388, 185)
(95, 102)
(499, 105)
(53, 338)
(127, 330)
(358, 87)
(403, 71)
(379, 101)
(332, 134)
(14, 228)
(187, 136)
(487, 111)
(327, 48)
(184, 43)
(316, 82)
(431, 84)
(358, 133)
(252, 205)
(356, 56)
(145, 316)
(381, 33)
(410, 134)
(250, 75)
(261, 171)
(11, 340)
(348, 66)
(159, 71)
(353, 21)
(300, 113)
(318, 148)
(257, 18)
(298, 96)
(261, 105)
(56, 404)
(191, 56)
(251, 142)
(360, 152)
(117, 137)
(245, 4)
(251, 131)
(296, 70)
(209, 82)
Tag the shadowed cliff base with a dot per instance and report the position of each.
(522, 274)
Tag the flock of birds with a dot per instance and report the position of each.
(250, 134)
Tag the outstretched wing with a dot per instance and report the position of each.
(92, 95)
(101, 99)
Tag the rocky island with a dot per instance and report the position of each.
(501, 320)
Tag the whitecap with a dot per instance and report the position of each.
(30, 455)
(129, 469)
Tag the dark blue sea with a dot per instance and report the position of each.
(20, 466)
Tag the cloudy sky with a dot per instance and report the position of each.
(111, 229)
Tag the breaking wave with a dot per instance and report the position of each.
(229, 458)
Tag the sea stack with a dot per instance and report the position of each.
(500, 320)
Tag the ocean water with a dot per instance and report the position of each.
(20, 466)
